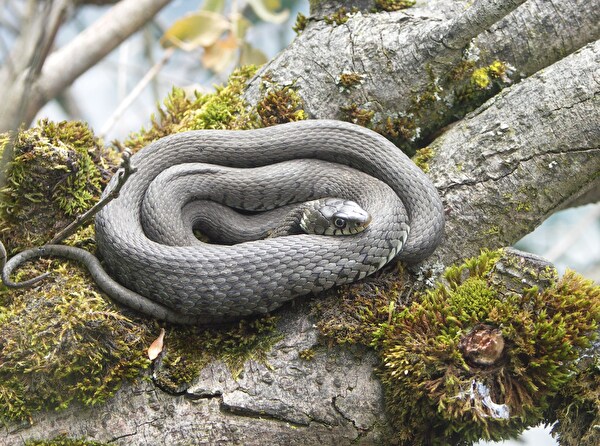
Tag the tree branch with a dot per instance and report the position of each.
(89, 47)
(513, 162)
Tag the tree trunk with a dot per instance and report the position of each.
(502, 166)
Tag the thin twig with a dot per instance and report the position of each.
(123, 174)
(137, 90)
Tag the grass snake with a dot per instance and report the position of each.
(159, 268)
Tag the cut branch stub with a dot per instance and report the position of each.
(483, 345)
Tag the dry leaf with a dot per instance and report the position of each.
(220, 56)
(202, 28)
(157, 346)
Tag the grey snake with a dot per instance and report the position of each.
(159, 268)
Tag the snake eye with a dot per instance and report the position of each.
(339, 223)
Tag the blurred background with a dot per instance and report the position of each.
(118, 95)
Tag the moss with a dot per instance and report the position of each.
(360, 309)
(189, 349)
(577, 407)
(307, 355)
(58, 171)
(280, 105)
(347, 81)
(393, 5)
(223, 109)
(446, 97)
(435, 396)
(62, 341)
(301, 22)
(65, 441)
(353, 113)
(340, 16)
(422, 158)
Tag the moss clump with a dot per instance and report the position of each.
(189, 349)
(422, 158)
(307, 355)
(301, 22)
(577, 407)
(347, 81)
(340, 16)
(359, 310)
(63, 342)
(65, 441)
(58, 171)
(223, 109)
(436, 397)
(353, 113)
(394, 5)
(280, 105)
(401, 130)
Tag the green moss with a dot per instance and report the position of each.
(62, 342)
(353, 113)
(307, 355)
(301, 22)
(394, 5)
(65, 441)
(223, 109)
(340, 16)
(577, 407)
(280, 105)
(430, 387)
(348, 81)
(58, 171)
(189, 349)
(422, 158)
(446, 97)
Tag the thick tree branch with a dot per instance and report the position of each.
(517, 159)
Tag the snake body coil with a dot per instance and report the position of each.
(202, 282)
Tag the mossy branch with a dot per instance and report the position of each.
(122, 174)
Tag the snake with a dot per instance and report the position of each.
(353, 178)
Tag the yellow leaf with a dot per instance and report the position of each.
(214, 5)
(202, 28)
(219, 56)
(157, 346)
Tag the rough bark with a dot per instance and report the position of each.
(501, 170)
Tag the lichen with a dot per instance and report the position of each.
(189, 349)
(446, 96)
(393, 5)
(307, 354)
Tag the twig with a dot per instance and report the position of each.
(126, 103)
(122, 174)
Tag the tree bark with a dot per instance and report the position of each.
(501, 170)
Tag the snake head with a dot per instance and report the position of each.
(334, 216)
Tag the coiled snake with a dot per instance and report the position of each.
(182, 280)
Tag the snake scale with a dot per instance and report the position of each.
(157, 266)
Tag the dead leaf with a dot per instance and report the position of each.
(219, 56)
(157, 346)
